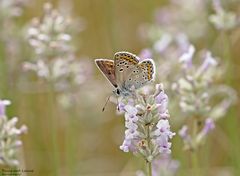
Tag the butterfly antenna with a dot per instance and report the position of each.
(106, 103)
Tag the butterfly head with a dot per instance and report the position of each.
(117, 92)
(124, 91)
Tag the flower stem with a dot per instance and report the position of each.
(195, 163)
(194, 153)
(227, 54)
(53, 127)
(149, 163)
(149, 168)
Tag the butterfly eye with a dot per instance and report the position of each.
(118, 92)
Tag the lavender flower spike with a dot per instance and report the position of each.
(147, 127)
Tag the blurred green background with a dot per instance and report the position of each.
(83, 140)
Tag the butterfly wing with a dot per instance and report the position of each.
(124, 63)
(141, 74)
(106, 66)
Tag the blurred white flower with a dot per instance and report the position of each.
(222, 19)
(9, 137)
(54, 59)
(195, 88)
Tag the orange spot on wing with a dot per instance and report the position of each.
(149, 72)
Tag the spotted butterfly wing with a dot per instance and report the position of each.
(141, 74)
(124, 62)
(107, 68)
(129, 72)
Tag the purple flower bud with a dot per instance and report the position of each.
(186, 58)
(208, 62)
(209, 125)
(162, 103)
(131, 110)
(163, 128)
(131, 117)
(131, 113)
(164, 145)
(121, 107)
(163, 133)
(131, 125)
(161, 98)
(126, 145)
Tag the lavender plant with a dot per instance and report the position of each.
(197, 90)
(147, 127)
(9, 137)
(202, 99)
(53, 59)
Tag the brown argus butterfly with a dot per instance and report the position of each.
(126, 73)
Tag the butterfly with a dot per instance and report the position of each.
(126, 73)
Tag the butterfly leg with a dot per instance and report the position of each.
(118, 105)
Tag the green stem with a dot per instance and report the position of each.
(149, 163)
(53, 127)
(195, 163)
(227, 46)
(194, 153)
(70, 142)
(227, 54)
(149, 168)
